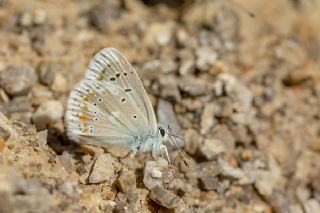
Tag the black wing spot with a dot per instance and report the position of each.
(99, 99)
(128, 90)
(123, 100)
(94, 104)
(118, 75)
(131, 72)
(125, 73)
(112, 79)
(134, 116)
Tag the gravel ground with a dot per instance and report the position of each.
(243, 92)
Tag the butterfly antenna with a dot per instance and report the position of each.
(173, 138)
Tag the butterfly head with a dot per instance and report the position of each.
(173, 139)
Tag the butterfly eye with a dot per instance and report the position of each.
(162, 132)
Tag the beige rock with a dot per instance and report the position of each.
(153, 173)
(212, 148)
(164, 197)
(207, 118)
(102, 169)
(17, 79)
(126, 180)
(59, 83)
(48, 113)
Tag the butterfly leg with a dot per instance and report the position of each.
(166, 151)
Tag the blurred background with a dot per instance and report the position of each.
(238, 80)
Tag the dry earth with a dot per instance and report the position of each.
(243, 92)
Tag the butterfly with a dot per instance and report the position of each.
(110, 106)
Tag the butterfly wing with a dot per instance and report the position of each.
(110, 105)
(110, 66)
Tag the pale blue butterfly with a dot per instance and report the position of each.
(109, 106)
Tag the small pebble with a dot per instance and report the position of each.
(17, 104)
(156, 173)
(228, 171)
(164, 197)
(246, 154)
(40, 17)
(207, 118)
(17, 79)
(102, 169)
(25, 19)
(187, 64)
(48, 113)
(212, 148)
(193, 140)
(160, 33)
(126, 180)
(59, 83)
(169, 89)
(205, 58)
(42, 137)
(237, 91)
(46, 72)
(193, 86)
(40, 94)
(137, 199)
(101, 14)
(153, 173)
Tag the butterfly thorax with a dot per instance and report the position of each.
(147, 142)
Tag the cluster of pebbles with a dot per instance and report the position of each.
(243, 93)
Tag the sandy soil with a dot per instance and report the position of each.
(243, 92)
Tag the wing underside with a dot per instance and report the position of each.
(110, 105)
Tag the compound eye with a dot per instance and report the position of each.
(162, 132)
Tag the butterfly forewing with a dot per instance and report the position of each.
(110, 66)
(110, 105)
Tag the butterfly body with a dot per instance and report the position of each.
(109, 106)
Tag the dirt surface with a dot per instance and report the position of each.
(243, 92)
